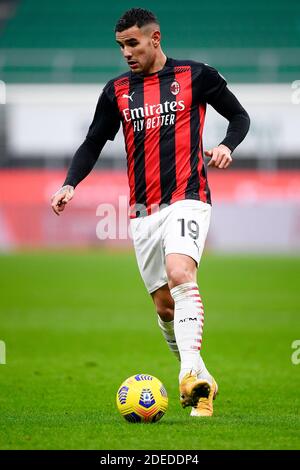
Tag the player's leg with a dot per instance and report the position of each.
(147, 240)
(197, 386)
(184, 237)
(189, 312)
(164, 305)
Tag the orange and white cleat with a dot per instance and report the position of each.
(204, 406)
(193, 389)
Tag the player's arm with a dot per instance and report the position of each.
(225, 103)
(228, 106)
(105, 125)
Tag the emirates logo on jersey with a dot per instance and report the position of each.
(175, 88)
(150, 116)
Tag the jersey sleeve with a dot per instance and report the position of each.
(106, 121)
(239, 121)
(212, 84)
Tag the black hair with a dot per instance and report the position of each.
(135, 17)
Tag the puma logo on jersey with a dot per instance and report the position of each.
(129, 96)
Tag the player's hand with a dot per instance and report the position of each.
(220, 157)
(61, 198)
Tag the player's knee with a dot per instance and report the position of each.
(166, 313)
(179, 275)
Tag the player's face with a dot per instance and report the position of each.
(138, 47)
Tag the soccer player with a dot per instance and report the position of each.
(161, 104)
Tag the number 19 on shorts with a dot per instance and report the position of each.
(190, 227)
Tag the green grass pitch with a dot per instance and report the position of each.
(76, 324)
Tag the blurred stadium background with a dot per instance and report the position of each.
(55, 58)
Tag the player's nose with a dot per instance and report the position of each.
(127, 53)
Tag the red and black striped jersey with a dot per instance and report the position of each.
(162, 115)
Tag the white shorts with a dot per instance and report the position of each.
(180, 227)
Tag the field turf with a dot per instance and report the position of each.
(76, 324)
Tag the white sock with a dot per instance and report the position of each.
(188, 327)
(167, 328)
(202, 372)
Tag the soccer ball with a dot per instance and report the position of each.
(142, 398)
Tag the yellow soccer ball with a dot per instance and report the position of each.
(142, 398)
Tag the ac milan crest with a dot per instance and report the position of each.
(175, 88)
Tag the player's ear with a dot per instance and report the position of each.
(155, 37)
